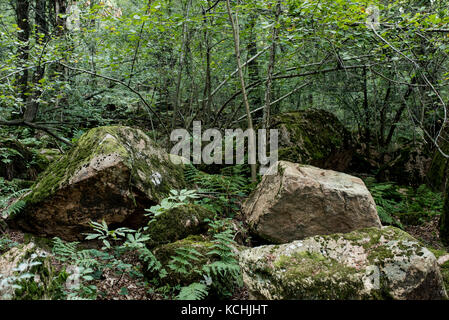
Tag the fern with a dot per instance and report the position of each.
(224, 190)
(15, 207)
(182, 261)
(194, 291)
(68, 252)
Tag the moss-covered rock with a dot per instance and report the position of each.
(365, 264)
(313, 137)
(45, 282)
(178, 223)
(443, 261)
(409, 165)
(111, 174)
(165, 254)
(438, 172)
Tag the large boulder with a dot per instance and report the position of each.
(408, 165)
(301, 201)
(112, 174)
(364, 264)
(314, 137)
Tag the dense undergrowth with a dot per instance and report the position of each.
(402, 205)
(203, 266)
(72, 271)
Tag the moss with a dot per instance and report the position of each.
(178, 223)
(444, 268)
(316, 277)
(47, 283)
(438, 172)
(310, 137)
(166, 252)
(96, 143)
(328, 267)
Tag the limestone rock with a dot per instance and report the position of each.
(364, 264)
(301, 201)
(112, 174)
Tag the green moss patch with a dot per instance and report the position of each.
(178, 223)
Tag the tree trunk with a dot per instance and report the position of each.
(266, 111)
(23, 35)
(251, 138)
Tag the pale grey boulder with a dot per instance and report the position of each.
(296, 201)
(371, 263)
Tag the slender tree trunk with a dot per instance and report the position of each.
(251, 138)
(254, 97)
(367, 131)
(206, 104)
(266, 111)
(23, 35)
(182, 54)
(41, 28)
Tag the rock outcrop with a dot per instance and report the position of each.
(314, 137)
(112, 174)
(301, 201)
(365, 264)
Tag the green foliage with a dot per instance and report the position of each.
(398, 205)
(194, 291)
(6, 244)
(16, 206)
(102, 233)
(223, 192)
(222, 274)
(176, 199)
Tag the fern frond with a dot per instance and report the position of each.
(194, 291)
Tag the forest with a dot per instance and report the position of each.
(345, 101)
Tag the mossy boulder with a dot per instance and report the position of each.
(9, 261)
(315, 137)
(178, 223)
(438, 172)
(409, 165)
(199, 244)
(371, 263)
(111, 174)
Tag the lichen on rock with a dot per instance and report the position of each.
(364, 264)
(108, 175)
